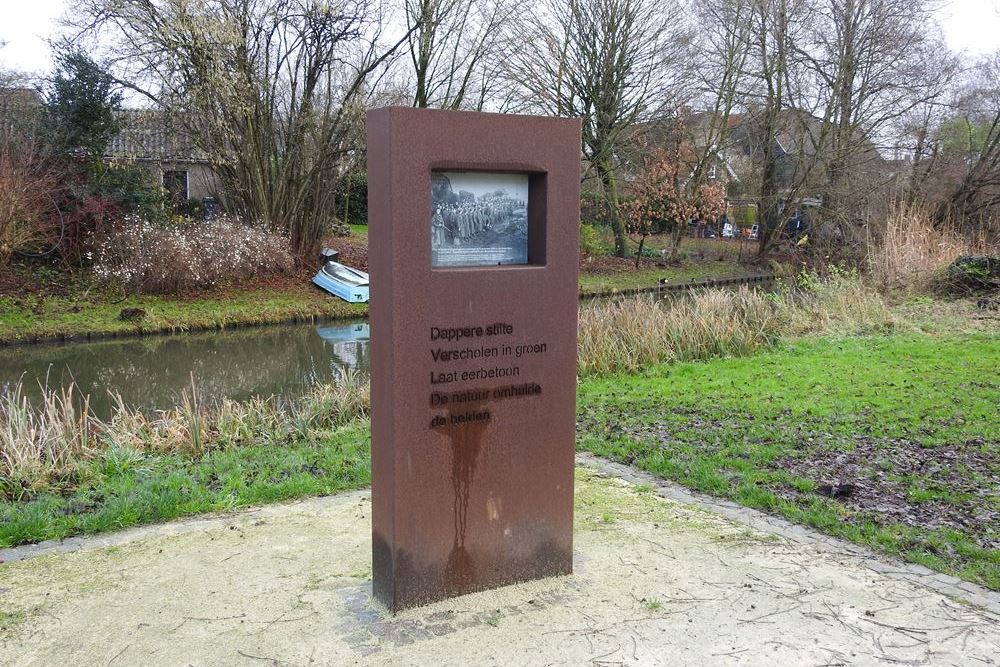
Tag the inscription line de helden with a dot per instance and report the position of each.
(487, 350)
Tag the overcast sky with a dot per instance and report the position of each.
(970, 25)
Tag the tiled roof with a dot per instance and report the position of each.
(149, 134)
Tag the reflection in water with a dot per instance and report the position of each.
(150, 373)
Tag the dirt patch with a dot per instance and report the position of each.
(902, 481)
(889, 481)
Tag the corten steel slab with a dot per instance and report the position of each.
(469, 505)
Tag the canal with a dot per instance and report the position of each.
(150, 373)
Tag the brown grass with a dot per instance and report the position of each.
(45, 446)
(912, 252)
(629, 335)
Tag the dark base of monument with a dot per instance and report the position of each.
(463, 574)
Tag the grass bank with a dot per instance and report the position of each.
(63, 472)
(888, 441)
(66, 317)
(47, 305)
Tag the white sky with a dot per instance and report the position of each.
(970, 25)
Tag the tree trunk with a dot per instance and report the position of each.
(607, 175)
(678, 236)
(638, 253)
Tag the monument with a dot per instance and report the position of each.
(473, 233)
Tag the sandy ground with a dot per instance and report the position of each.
(657, 582)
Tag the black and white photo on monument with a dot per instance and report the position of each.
(478, 218)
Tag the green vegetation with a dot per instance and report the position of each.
(883, 428)
(31, 318)
(127, 487)
(885, 441)
(597, 282)
(64, 472)
(633, 334)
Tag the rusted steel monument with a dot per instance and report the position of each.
(473, 232)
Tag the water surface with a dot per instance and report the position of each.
(151, 372)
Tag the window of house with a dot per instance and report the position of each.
(176, 184)
(713, 172)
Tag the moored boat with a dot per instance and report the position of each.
(341, 280)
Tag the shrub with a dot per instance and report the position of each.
(27, 204)
(165, 258)
(352, 198)
(912, 252)
(591, 243)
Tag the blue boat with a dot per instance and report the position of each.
(341, 280)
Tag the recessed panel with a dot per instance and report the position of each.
(478, 218)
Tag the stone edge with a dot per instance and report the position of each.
(944, 584)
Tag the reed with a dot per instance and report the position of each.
(627, 336)
(912, 251)
(46, 444)
(42, 445)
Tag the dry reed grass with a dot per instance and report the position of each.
(626, 336)
(45, 446)
(912, 252)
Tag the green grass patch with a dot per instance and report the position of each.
(650, 277)
(125, 487)
(912, 423)
(70, 317)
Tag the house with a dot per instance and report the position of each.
(155, 142)
(148, 138)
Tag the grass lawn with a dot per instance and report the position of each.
(649, 276)
(124, 487)
(890, 442)
(77, 316)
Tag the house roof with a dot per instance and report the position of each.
(151, 134)
(20, 97)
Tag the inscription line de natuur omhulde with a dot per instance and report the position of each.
(478, 396)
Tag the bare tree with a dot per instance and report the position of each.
(777, 99)
(873, 61)
(610, 63)
(456, 49)
(970, 139)
(723, 53)
(271, 90)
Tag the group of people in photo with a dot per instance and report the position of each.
(454, 223)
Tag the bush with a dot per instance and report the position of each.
(102, 195)
(974, 272)
(352, 198)
(591, 243)
(28, 215)
(166, 258)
